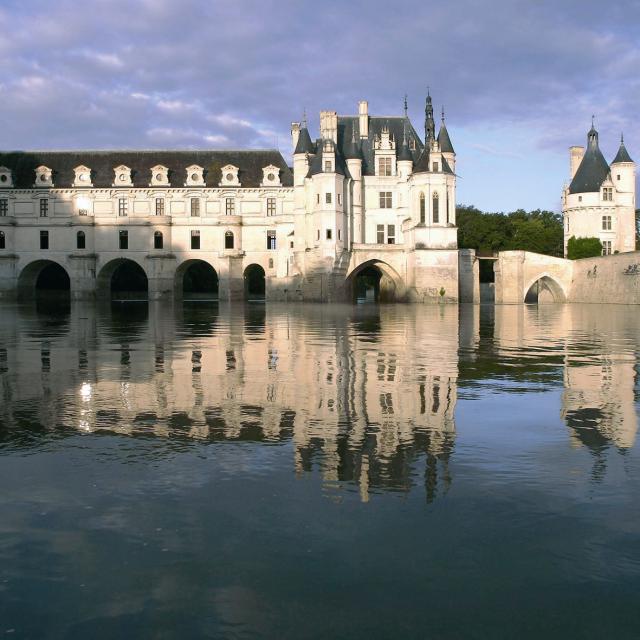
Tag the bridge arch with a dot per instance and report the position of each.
(544, 289)
(375, 281)
(122, 278)
(197, 280)
(255, 282)
(46, 276)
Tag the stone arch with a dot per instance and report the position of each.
(375, 281)
(122, 279)
(43, 276)
(197, 280)
(544, 289)
(255, 282)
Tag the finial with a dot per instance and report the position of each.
(428, 91)
(443, 114)
(405, 105)
(622, 138)
(353, 133)
(304, 117)
(593, 120)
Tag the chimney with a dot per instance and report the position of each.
(576, 154)
(329, 125)
(363, 114)
(295, 134)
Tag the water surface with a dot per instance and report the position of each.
(399, 471)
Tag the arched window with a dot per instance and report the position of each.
(2, 240)
(158, 240)
(228, 240)
(436, 208)
(81, 240)
(423, 209)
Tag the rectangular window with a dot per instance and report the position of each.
(436, 167)
(4, 207)
(44, 207)
(606, 247)
(607, 194)
(606, 223)
(329, 234)
(436, 209)
(159, 206)
(327, 166)
(271, 206)
(318, 198)
(384, 166)
(380, 233)
(195, 207)
(158, 240)
(230, 206)
(3, 243)
(385, 199)
(195, 240)
(123, 237)
(327, 198)
(44, 239)
(391, 234)
(271, 239)
(618, 177)
(123, 209)
(338, 234)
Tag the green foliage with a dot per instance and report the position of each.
(538, 231)
(583, 248)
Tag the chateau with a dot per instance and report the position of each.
(600, 201)
(367, 210)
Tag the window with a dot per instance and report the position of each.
(4, 207)
(339, 199)
(44, 207)
(327, 198)
(158, 240)
(123, 209)
(318, 238)
(81, 240)
(228, 240)
(385, 199)
(380, 233)
(436, 208)
(195, 207)
(270, 263)
(271, 206)
(618, 177)
(318, 198)
(230, 206)
(329, 234)
(44, 239)
(271, 239)
(2, 240)
(607, 194)
(338, 234)
(123, 237)
(606, 223)
(291, 245)
(384, 166)
(579, 198)
(423, 209)
(391, 234)
(447, 207)
(436, 167)
(606, 247)
(195, 240)
(159, 206)
(327, 166)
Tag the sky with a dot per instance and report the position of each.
(519, 79)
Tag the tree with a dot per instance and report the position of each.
(583, 248)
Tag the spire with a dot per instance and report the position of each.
(593, 169)
(592, 136)
(304, 139)
(406, 108)
(429, 124)
(352, 149)
(623, 154)
(444, 141)
(404, 153)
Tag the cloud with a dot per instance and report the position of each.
(241, 72)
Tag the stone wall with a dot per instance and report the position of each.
(612, 279)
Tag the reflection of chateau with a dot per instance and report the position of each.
(369, 401)
(599, 371)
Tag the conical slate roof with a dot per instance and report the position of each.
(623, 154)
(444, 140)
(304, 142)
(593, 169)
(422, 165)
(352, 149)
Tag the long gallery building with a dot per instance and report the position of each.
(368, 209)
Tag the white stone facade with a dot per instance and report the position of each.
(601, 204)
(367, 193)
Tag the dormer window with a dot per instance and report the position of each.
(122, 176)
(436, 167)
(384, 166)
(412, 144)
(607, 194)
(44, 177)
(195, 176)
(229, 177)
(159, 176)
(270, 176)
(328, 166)
(83, 177)
(6, 179)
